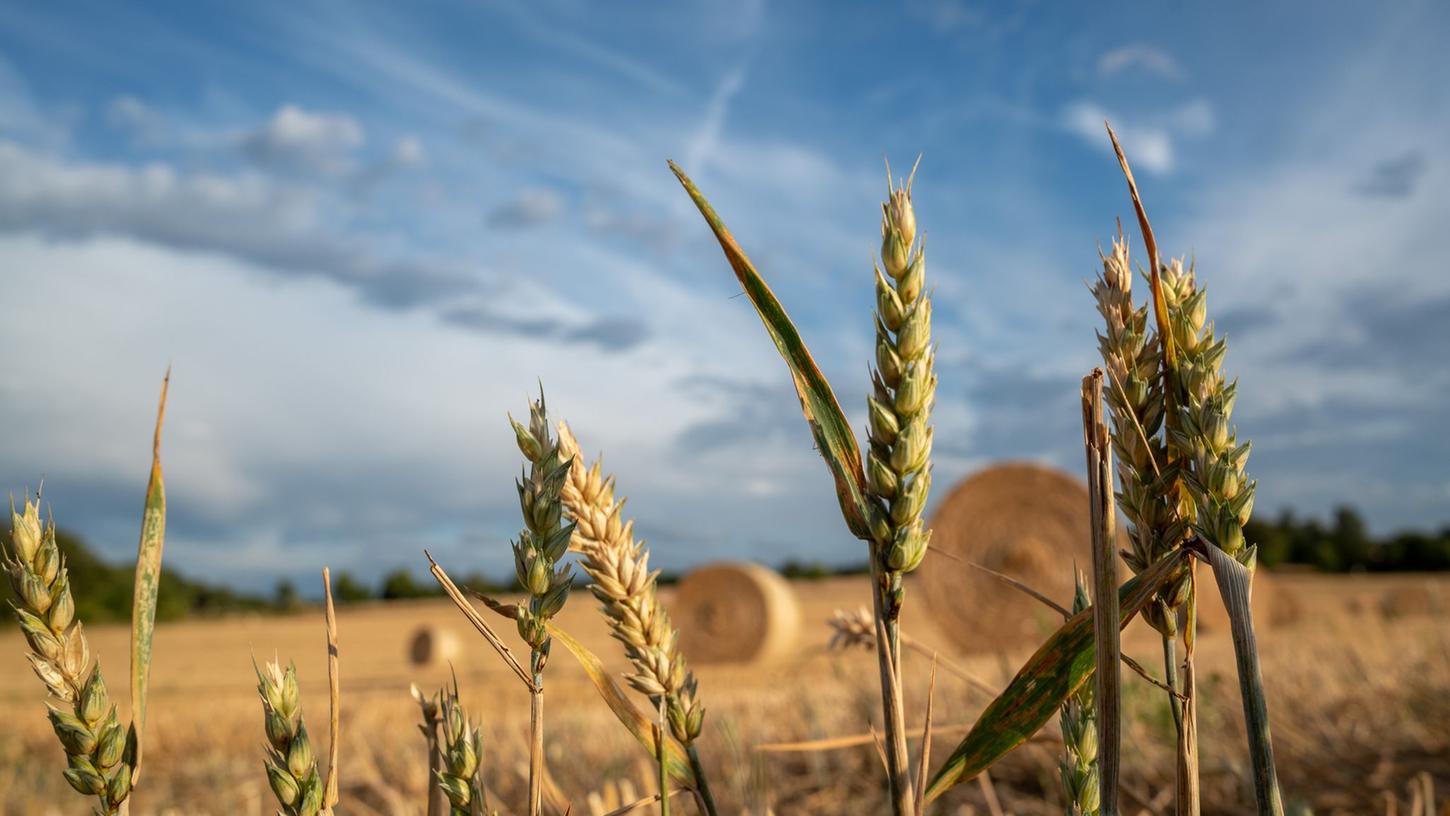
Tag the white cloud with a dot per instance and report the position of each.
(1148, 147)
(706, 140)
(286, 228)
(1141, 57)
(301, 415)
(295, 139)
(1150, 141)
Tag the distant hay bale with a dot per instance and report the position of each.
(1411, 600)
(433, 646)
(1272, 603)
(735, 612)
(1031, 522)
(1024, 520)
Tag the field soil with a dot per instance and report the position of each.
(1359, 684)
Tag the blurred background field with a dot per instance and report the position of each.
(1358, 689)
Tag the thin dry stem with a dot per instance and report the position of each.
(1107, 700)
(451, 589)
(334, 710)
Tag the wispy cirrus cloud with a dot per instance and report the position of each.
(1139, 57)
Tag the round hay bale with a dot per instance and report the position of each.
(1273, 604)
(1420, 599)
(433, 646)
(735, 612)
(1024, 520)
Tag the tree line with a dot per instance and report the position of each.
(1341, 543)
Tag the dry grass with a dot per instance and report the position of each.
(1353, 719)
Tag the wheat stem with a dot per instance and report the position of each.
(430, 710)
(334, 697)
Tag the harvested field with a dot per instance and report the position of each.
(1355, 719)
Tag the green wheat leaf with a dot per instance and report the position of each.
(832, 433)
(1058, 668)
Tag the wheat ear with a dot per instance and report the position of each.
(1223, 494)
(898, 469)
(291, 764)
(1079, 769)
(540, 546)
(618, 565)
(903, 389)
(461, 752)
(95, 742)
(1135, 399)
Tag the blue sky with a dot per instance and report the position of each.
(361, 233)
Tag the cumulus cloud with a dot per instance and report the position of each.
(295, 140)
(280, 227)
(1139, 57)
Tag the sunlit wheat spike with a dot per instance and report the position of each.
(291, 764)
(1202, 435)
(545, 536)
(618, 564)
(898, 465)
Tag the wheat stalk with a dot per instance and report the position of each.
(618, 565)
(540, 546)
(291, 765)
(96, 746)
(1079, 768)
(898, 469)
(1149, 473)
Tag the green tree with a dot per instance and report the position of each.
(1351, 539)
(347, 589)
(401, 585)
